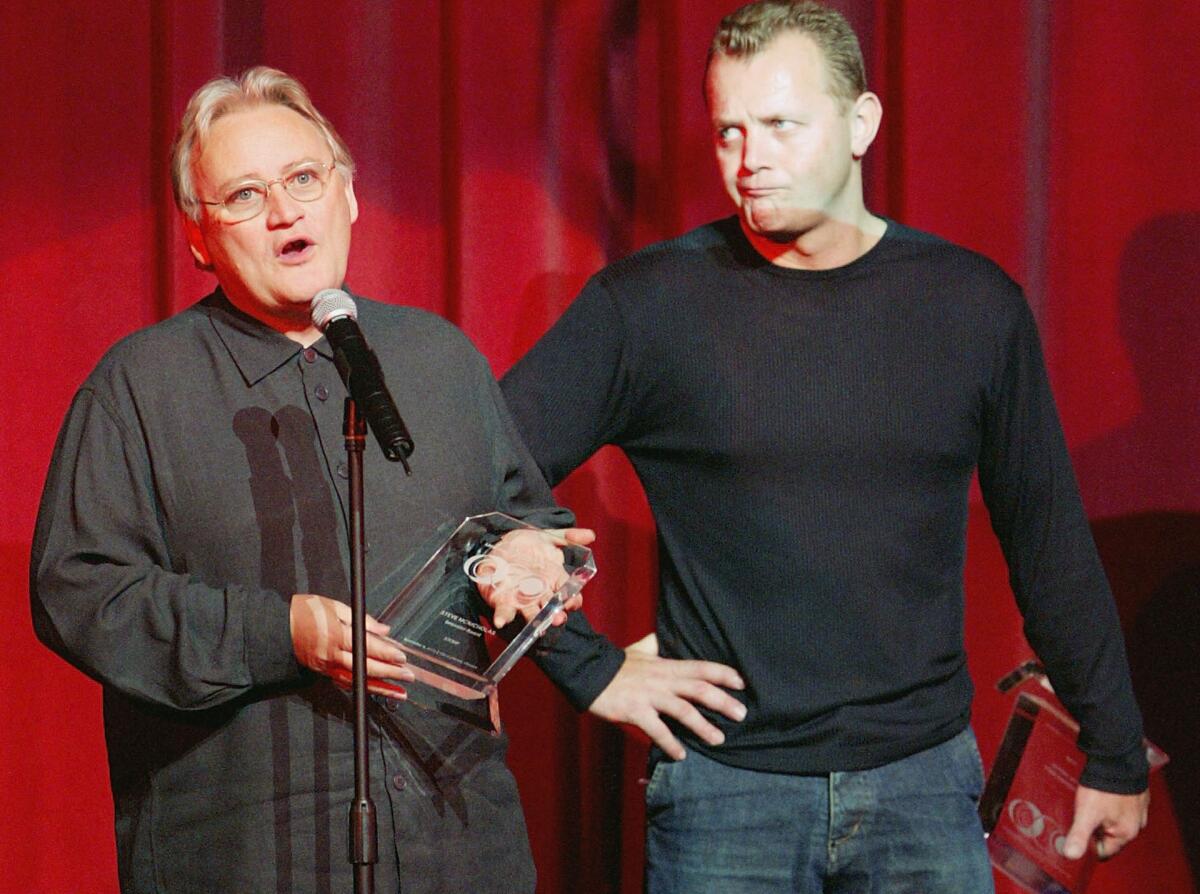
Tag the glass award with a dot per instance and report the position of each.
(1029, 800)
(440, 619)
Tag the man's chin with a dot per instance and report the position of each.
(300, 289)
(781, 237)
(770, 228)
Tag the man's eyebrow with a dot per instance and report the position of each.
(291, 165)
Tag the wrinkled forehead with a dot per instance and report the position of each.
(260, 141)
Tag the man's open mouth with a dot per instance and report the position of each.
(294, 248)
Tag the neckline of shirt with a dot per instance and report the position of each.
(757, 264)
(255, 348)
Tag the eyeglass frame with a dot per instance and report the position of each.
(329, 168)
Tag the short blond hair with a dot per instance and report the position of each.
(748, 30)
(260, 85)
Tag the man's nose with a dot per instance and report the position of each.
(282, 209)
(754, 151)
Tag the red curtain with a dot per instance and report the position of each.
(506, 152)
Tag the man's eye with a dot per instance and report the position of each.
(727, 134)
(308, 175)
(243, 195)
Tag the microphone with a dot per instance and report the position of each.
(334, 313)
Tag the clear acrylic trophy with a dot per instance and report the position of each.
(444, 626)
(1029, 800)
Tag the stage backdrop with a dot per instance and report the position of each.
(506, 152)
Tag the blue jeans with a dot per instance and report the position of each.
(909, 827)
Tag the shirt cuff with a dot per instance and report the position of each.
(1128, 774)
(270, 656)
(578, 660)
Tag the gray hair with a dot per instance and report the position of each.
(260, 85)
(748, 30)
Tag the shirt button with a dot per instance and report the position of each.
(398, 782)
(343, 470)
(310, 354)
(322, 392)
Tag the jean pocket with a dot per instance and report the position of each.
(658, 782)
(967, 763)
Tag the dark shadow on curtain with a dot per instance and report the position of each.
(1148, 471)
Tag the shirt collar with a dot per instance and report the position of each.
(255, 348)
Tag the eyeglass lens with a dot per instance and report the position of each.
(306, 184)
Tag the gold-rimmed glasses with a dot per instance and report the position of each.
(246, 199)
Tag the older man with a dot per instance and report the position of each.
(190, 552)
(805, 390)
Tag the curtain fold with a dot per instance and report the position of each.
(505, 155)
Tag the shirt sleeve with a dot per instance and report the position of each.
(104, 597)
(1069, 614)
(522, 491)
(569, 394)
(565, 397)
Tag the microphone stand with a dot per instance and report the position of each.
(364, 852)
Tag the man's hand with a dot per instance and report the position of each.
(524, 569)
(647, 686)
(1111, 821)
(322, 639)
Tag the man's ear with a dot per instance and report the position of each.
(195, 238)
(865, 116)
(351, 200)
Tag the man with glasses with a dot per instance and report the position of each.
(190, 551)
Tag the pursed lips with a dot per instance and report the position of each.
(755, 192)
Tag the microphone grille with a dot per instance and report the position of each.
(329, 304)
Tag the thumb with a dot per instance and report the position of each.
(582, 536)
(1079, 837)
(502, 615)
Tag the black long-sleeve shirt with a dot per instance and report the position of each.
(200, 480)
(806, 440)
